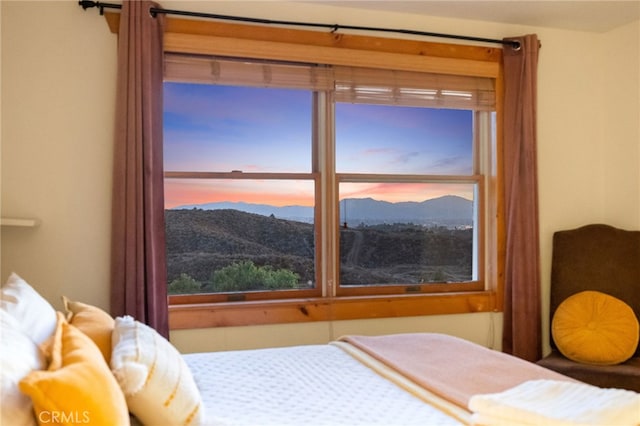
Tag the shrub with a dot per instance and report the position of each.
(184, 284)
(246, 276)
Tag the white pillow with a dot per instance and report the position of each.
(35, 316)
(153, 376)
(19, 355)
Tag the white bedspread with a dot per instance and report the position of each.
(556, 403)
(304, 385)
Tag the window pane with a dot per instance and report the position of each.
(407, 140)
(239, 235)
(406, 233)
(223, 128)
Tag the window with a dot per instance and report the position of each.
(240, 213)
(407, 203)
(298, 190)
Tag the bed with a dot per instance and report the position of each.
(400, 379)
(81, 366)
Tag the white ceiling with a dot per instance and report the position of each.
(580, 15)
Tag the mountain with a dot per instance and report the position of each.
(449, 210)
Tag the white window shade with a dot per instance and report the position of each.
(350, 84)
(378, 86)
(237, 72)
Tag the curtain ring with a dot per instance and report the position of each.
(516, 46)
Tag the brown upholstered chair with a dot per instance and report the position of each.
(601, 258)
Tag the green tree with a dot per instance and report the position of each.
(184, 284)
(246, 276)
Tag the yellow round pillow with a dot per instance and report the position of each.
(595, 328)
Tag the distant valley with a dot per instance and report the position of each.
(449, 211)
(382, 243)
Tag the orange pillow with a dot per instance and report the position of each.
(78, 387)
(92, 321)
(595, 328)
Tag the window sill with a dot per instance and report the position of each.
(227, 314)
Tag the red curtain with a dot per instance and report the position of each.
(138, 265)
(522, 335)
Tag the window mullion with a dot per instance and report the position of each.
(324, 118)
(237, 174)
(371, 177)
(488, 213)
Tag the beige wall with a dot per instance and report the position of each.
(620, 143)
(58, 78)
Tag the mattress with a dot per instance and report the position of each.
(310, 385)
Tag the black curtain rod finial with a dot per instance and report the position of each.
(88, 4)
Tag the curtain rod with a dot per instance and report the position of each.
(86, 4)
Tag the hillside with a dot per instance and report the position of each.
(202, 241)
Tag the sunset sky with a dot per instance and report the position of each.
(221, 128)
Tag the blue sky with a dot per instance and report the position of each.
(393, 139)
(221, 128)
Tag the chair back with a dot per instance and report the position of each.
(596, 257)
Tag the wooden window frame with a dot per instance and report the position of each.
(275, 43)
